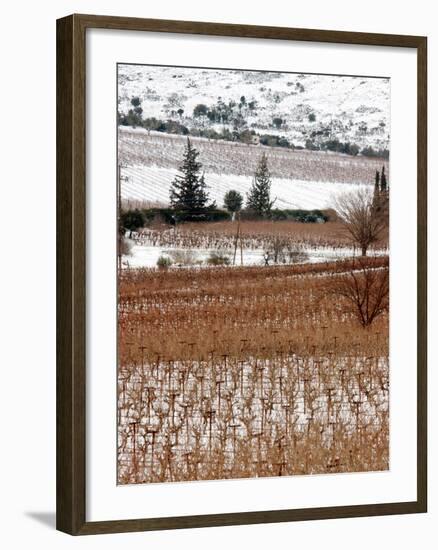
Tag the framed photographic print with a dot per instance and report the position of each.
(241, 274)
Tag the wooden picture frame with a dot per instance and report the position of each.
(71, 274)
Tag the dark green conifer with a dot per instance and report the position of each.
(259, 196)
(189, 190)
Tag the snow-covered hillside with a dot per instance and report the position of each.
(152, 184)
(300, 179)
(307, 107)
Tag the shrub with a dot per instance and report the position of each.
(210, 215)
(339, 147)
(274, 141)
(183, 257)
(133, 118)
(152, 123)
(370, 152)
(217, 257)
(311, 145)
(164, 262)
(297, 256)
(250, 215)
(173, 127)
(200, 110)
(132, 219)
(304, 216)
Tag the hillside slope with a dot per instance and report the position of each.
(311, 107)
(300, 179)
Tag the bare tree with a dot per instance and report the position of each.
(365, 289)
(365, 218)
(284, 250)
(278, 249)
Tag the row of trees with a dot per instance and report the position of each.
(188, 192)
(233, 114)
(364, 213)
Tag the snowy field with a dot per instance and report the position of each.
(152, 184)
(147, 256)
(295, 106)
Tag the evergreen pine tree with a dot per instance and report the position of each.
(258, 199)
(377, 182)
(376, 195)
(383, 181)
(189, 191)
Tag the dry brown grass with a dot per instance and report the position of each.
(246, 372)
(254, 235)
(307, 234)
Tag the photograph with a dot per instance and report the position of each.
(216, 275)
(253, 273)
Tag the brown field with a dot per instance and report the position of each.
(331, 233)
(254, 235)
(235, 372)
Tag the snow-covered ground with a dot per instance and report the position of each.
(348, 108)
(147, 256)
(151, 183)
(316, 107)
(138, 147)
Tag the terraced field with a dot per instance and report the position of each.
(300, 179)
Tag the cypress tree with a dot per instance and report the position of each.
(188, 191)
(377, 182)
(259, 199)
(383, 181)
(376, 195)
